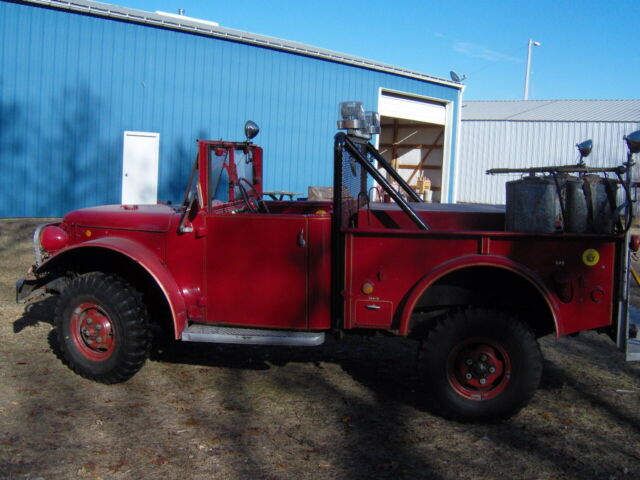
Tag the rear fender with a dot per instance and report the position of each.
(144, 257)
(475, 261)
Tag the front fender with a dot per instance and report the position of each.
(468, 261)
(144, 257)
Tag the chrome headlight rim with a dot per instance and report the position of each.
(37, 247)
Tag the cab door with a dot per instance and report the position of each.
(256, 270)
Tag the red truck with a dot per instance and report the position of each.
(229, 266)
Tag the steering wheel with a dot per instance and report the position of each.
(247, 195)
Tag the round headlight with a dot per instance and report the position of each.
(53, 238)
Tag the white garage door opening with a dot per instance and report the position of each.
(415, 139)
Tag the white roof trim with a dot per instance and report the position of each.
(185, 25)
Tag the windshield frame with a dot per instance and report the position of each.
(193, 177)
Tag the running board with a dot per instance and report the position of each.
(251, 336)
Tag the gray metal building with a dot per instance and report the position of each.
(536, 133)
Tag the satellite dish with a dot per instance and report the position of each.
(456, 78)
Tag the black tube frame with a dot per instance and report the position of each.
(394, 174)
(342, 143)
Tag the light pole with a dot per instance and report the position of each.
(526, 76)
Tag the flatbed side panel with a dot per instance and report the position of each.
(589, 265)
(399, 263)
(393, 265)
(459, 264)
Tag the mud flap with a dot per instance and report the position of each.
(29, 287)
(25, 288)
(633, 335)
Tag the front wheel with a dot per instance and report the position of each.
(480, 365)
(102, 327)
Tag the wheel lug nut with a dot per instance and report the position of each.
(483, 381)
(483, 357)
(468, 361)
(492, 369)
(99, 339)
(468, 376)
(89, 320)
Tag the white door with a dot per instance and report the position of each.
(140, 168)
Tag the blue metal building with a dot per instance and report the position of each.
(75, 76)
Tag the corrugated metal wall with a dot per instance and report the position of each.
(489, 144)
(71, 84)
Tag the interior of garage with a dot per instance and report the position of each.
(415, 150)
(415, 133)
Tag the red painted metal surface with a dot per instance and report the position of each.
(234, 267)
(319, 270)
(479, 369)
(150, 218)
(407, 263)
(92, 331)
(144, 248)
(257, 271)
(468, 261)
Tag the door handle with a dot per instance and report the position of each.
(372, 307)
(301, 241)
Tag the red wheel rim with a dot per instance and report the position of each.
(479, 369)
(92, 331)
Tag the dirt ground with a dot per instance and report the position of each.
(345, 410)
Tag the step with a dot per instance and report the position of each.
(251, 336)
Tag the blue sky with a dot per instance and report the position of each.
(589, 49)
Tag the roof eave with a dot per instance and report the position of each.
(157, 20)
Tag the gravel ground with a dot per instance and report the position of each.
(345, 410)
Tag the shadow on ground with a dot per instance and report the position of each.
(250, 412)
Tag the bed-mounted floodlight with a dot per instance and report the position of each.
(357, 122)
(585, 149)
(352, 116)
(372, 119)
(633, 142)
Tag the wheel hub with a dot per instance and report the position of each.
(479, 369)
(92, 331)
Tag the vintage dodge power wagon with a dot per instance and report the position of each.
(229, 266)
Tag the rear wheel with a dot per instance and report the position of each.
(102, 327)
(480, 365)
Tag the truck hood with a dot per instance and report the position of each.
(149, 218)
